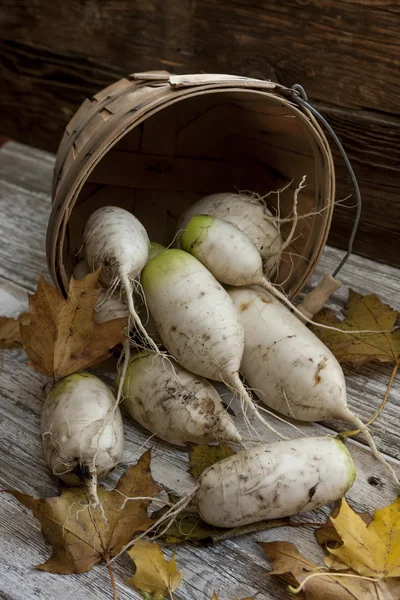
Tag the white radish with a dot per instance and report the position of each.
(108, 306)
(196, 319)
(116, 241)
(82, 431)
(270, 481)
(275, 480)
(174, 404)
(288, 367)
(249, 215)
(233, 259)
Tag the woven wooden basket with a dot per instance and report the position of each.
(154, 143)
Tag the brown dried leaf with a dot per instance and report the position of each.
(202, 456)
(10, 336)
(361, 313)
(291, 566)
(62, 338)
(81, 539)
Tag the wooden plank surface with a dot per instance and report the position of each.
(233, 568)
(345, 54)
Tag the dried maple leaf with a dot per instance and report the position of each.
(10, 336)
(202, 456)
(293, 567)
(155, 576)
(373, 550)
(81, 537)
(326, 535)
(62, 338)
(361, 313)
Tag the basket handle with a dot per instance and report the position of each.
(181, 81)
(194, 80)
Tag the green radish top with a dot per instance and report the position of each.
(165, 265)
(351, 466)
(196, 231)
(66, 383)
(135, 358)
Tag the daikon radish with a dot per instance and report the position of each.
(249, 215)
(174, 404)
(116, 241)
(82, 431)
(289, 368)
(197, 321)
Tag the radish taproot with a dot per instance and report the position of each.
(108, 306)
(249, 215)
(174, 404)
(82, 431)
(270, 481)
(197, 321)
(288, 367)
(116, 241)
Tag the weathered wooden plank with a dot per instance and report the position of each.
(372, 143)
(236, 565)
(25, 203)
(233, 568)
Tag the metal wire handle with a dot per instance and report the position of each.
(299, 96)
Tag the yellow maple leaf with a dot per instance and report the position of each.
(373, 550)
(361, 313)
(154, 573)
(61, 337)
(316, 584)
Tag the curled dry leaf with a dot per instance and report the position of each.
(61, 337)
(202, 456)
(372, 550)
(10, 336)
(294, 568)
(155, 576)
(361, 313)
(82, 537)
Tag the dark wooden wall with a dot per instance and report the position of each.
(346, 53)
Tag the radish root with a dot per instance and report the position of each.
(128, 286)
(371, 443)
(236, 386)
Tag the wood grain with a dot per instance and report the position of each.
(233, 568)
(329, 46)
(48, 71)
